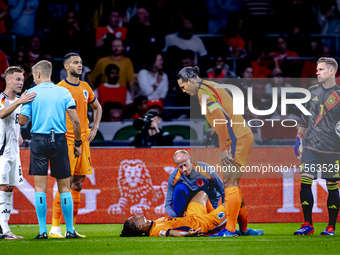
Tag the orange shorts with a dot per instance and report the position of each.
(241, 152)
(81, 165)
(208, 221)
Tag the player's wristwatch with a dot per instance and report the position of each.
(77, 143)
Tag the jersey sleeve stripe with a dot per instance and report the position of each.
(178, 175)
(168, 232)
(183, 228)
(213, 90)
(202, 171)
(93, 100)
(213, 98)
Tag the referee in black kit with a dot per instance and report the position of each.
(48, 113)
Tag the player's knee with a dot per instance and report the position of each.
(181, 188)
(200, 197)
(232, 182)
(5, 188)
(77, 186)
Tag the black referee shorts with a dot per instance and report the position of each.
(313, 162)
(43, 152)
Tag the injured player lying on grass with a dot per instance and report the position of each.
(197, 222)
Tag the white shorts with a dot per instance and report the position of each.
(10, 171)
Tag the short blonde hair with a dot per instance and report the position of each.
(183, 152)
(329, 61)
(45, 68)
(13, 69)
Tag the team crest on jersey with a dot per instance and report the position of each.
(302, 166)
(86, 94)
(331, 99)
(199, 182)
(162, 233)
(220, 215)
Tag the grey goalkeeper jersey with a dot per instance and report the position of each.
(324, 106)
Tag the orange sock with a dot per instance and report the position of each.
(76, 203)
(243, 217)
(233, 202)
(56, 211)
(209, 206)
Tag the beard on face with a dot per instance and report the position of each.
(75, 74)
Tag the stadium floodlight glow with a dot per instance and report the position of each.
(238, 100)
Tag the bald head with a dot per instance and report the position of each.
(181, 153)
(183, 161)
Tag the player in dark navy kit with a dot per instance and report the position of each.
(321, 145)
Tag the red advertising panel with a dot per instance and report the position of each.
(128, 181)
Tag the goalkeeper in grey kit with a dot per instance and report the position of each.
(321, 145)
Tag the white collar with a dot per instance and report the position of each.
(111, 85)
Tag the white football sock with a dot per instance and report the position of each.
(4, 211)
(9, 205)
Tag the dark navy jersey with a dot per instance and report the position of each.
(324, 106)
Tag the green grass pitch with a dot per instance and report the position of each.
(104, 239)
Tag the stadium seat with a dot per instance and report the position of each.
(125, 133)
(98, 137)
(184, 131)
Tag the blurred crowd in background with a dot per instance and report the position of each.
(132, 50)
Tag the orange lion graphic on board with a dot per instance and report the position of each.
(137, 194)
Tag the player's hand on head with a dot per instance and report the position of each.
(193, 232)
(26, 98)
(298, 146)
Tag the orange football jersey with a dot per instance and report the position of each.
(83, 95)
(234, 131)
(197, 217)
